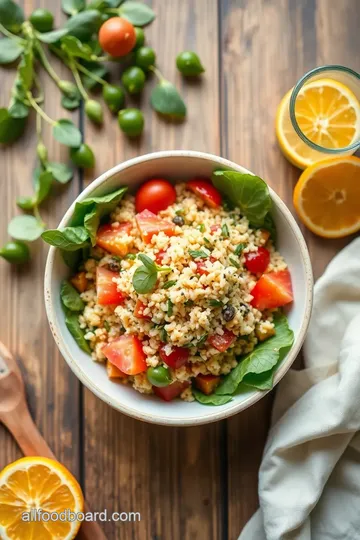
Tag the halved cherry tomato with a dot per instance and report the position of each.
(177, 358)
(149, 224)
(126, 353)
(139, 311)
(168, 393)
(117, 36)
(257, 261)
(207, 383)
(111, 238)
(201, 267)
(79, 281)
(155, 195)
(222, 343)
(272, 290)
(206, 191)
(159, 257)
(106, 288)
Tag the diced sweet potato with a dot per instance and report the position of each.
(263, 334)
(114, 372)
(207, 383)
(80, 282)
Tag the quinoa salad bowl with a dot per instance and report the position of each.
(178, 288)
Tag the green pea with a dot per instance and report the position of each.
(15, 252)
(114, 97)
(131, 122)
(158, 376)
(145, 57)
(93, 110)
(140, 37)
(42, 20)
(83, 156)
(189, 64)
(133, 79)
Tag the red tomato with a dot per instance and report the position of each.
(201, 267)
(207, 383)
(139, 311)
(168, 393)
(149, 224)
(155, 195)
(159, 257)
(106, 289)
(222, 343)
(111, 238)
(177, 358)
(126, 354)
(272, 290)
(117, 36)
(206, 191)
(257, 261)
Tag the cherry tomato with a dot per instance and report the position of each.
(127, 354)
(106, 288)
(117, 36)
(207, 383)
(155, 195)
(272, 290)
(206, 191)
(257, 261)
(149, 224)
(139, 311)
(177, 358)
(111, 238)
(222, 343)
(168, 393)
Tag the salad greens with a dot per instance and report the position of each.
(145, 277)
(70, 297)
(73, 305)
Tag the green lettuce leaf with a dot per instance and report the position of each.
(212, 399)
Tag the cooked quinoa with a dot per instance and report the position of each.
(196, 312)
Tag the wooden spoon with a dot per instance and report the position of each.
(15, 414)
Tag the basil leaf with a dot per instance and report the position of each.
(26, 228)
(26, 69)
(144, 280)
(165, 99)
(10, 128)
(73, 325)
(97, 69)
(54, 36)
(269, 225)
(147, 262)
(250, 193)
(212, 399)
(65, 132)
(61, 173)
(68, 239)
(73, 47)
(198, 253)
(17, 109)
(11, 15)
(71, 7)
(71, 103)
(10, 50)
(72, 259)
(263, 358)
(91, 224)
(239, 249)
(83, 25)
(169, 284)
(43, 182)
(70, 297)
(137, 13)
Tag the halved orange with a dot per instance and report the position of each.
(327, 197)
(327, 112)
(37, 483)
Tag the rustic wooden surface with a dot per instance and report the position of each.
(194, 483)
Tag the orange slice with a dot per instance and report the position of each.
(327, 197)
(37, 483)
(327, 112)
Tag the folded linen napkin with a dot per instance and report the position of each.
(309, 479)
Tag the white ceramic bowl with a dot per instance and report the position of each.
(175, 165)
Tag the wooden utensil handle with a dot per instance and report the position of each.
(28, 437)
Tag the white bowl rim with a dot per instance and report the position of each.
(215, 414)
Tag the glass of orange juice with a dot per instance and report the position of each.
(320, 117)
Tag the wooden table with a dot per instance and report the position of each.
(191, 483)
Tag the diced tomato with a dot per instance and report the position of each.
(126, 353)
(149, 224)
(159, 257)
(202, 269)
(168, 393)
(177, 358)
(272, 290)
(206, 191)
(207, 383)
(111, 238)
(79, 281)
(257, 261)
(113, 372)
(139, 311)
(215, 228)
(222, 343)
(106, 289)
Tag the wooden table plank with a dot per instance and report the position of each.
(171, 476)
(266, 46)
(53, 391)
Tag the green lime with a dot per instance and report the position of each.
(188, 63)
(133, 79)
(145, 57)
(93, 110)
(42, 20)
(159, 376)
(114, 97)
(15, 252)
(131, 122)
(83, 156)
(140, 37)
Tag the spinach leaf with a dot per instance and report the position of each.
(212, 399)
(10, 50)
(68, 239)
(26, 228)
(261, 381)
(165, 99)
(250, 193)
(137, 13)
(269, 225)
(73, 325)
(72, 259)
(70, 297)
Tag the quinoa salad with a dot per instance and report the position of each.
(178, 291)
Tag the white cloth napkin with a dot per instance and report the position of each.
(309, 479)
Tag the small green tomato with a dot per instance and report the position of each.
(42, 152)
(133, 79)
(189, 64)
(114, 97)
(140, 37)
(93, 111)
(83, 156)
(68, 88)
(42, 20)
(145, 57)
(131, 122)
(159, 376)
(15, 252)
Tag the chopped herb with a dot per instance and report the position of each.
(107, 326)
(163, 335)
(189, 303)
(224, 231)
(198, 253)
(169, 284)
(206, 240)
(170, 308)
(239, 249)
(188, 345)
(215, 303)
(131, 256)
(234, 262)
(201, 227)
(202, 340)
(179, 212)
